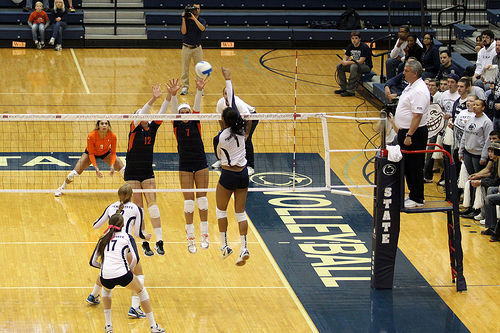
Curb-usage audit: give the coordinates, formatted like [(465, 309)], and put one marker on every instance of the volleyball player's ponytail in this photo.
[(115, 225), (233, 119), (125, 194)]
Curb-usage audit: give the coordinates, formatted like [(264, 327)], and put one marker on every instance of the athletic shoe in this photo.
[(494, 238), (184, 91), (441, 182), (159, 248), (42, 45), (108, 329), (27, 9), (338, 92), (93, 300), (58, 47), (59, 192), (47, 9), (482, 222), (52, 41), (428, 180), (251, 171), (147, 249), (242, 259), (479, 217), (71, 9), (470, 215), (487, 232), (157, 329), (38, 45), (204, 241), (191, 245), (410, 203), (226, 251), (217, 164), (136, 313), (466, 211), (347, 94)]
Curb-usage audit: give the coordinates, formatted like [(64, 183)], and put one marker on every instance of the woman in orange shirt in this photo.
[(98, 146)]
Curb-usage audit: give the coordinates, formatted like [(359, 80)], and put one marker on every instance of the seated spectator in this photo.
[(469, 71), (491, 200), (59, 15), (479, 43), (412, 49), (430, 57), (38, 21), (397, 54), (357, 60), (447, 66), (484, 56)]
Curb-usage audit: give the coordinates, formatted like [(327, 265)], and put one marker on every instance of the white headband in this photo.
[(183, 106)]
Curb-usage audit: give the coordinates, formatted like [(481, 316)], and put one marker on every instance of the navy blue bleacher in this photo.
[(493, 15), (461, 62), (222, 33), (17, 32), (14, 16), (10, 4)]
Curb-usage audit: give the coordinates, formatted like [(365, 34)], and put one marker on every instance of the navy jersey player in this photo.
[(193, 167), (230, 149), (111, 257), (133, 217), (139, 168)]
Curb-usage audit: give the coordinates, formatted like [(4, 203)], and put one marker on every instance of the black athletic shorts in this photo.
[(101, 157), (232, 180), (139, 175), (119, 281), (192, 166)]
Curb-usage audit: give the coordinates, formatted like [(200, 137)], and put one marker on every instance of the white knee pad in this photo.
[(141, 278), (240, 217), (107, 292), (220, 213), (188, 206), (143, 295), (154, 212), (72, 175), (202, 203)]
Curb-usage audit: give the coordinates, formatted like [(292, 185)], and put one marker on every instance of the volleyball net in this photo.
[(37, 151)]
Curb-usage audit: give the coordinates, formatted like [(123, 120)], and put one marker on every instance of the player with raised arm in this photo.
[(193, 167), (111, 257), (230, 148), (133, 216), (139, 170), (101, 144)]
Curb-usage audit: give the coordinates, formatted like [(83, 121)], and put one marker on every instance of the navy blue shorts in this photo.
[(119, 281), (101, 157), (232, 180)]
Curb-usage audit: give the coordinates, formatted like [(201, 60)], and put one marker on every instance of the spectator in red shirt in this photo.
[(38, 21)]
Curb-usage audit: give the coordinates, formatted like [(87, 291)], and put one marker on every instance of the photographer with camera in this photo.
[(192, 27)]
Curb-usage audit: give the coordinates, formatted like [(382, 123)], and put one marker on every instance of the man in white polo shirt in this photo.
[(411, 119)]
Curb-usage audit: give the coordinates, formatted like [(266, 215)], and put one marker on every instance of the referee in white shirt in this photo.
[(411, 119)]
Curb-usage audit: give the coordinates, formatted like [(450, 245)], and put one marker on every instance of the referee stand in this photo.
[(389, 203)]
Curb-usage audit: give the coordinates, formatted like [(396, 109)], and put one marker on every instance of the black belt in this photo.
[(190, 46)]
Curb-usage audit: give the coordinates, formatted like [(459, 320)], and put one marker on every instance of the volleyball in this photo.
[(203, 69)]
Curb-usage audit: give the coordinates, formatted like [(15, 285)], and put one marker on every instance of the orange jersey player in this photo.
[(98, 146)]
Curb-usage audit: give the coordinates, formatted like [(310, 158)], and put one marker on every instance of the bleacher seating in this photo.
[(493, 15), (463, 30)]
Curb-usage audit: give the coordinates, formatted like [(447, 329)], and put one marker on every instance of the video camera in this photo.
[(188, 10), (391, 106)]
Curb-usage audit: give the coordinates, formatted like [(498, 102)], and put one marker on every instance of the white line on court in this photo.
[(55, 242), (149, 287), (80, 71)]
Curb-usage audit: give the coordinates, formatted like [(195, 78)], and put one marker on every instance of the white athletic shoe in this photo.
[(242, 259), (251, 171), (226, 251), (204, 241), (410, 203), (483, 222), (59, 192), (52, 40), (479, 217), (191, 245), (217, 164), (157, 329), (184, 91)]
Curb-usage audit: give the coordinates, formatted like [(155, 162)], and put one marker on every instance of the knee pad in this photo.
[(220, 213), (141, 279), (154, 212), (188, 206), (107, 292), (240, 217), (143, 295), (202, 203), (72, 175)]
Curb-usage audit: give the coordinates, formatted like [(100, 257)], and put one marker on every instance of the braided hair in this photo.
[(125, 194), (115, 225), (233, 119)]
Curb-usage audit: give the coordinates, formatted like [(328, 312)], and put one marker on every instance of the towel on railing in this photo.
[(394, 153), (462, 178)]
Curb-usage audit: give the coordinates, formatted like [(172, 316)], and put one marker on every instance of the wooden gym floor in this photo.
[(46, 242)]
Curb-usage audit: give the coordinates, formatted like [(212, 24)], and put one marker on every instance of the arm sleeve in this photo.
[(144, 110), (113, 148), (175, 104), (216, 145), (138, 224), (488, 127), (64, 16), (93, 260), (164, 106), (479, 62), (30, 19), (433, 60), (133, 251), (396, 50), (221, 105), (230, 95), (103, 219), (197, 102), (91, 150)]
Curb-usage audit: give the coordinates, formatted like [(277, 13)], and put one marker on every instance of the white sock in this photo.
[(158, 234), (151, 319), (135, 302), (97, 290), (204, 227), (190, 230), (243, 239), (223, 238), (107, 316), (63, 186)]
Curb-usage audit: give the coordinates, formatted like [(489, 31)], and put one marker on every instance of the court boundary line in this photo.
[(80, 71), (149, 287)]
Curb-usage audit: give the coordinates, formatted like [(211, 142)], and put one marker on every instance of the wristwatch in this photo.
[(409, 135)]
